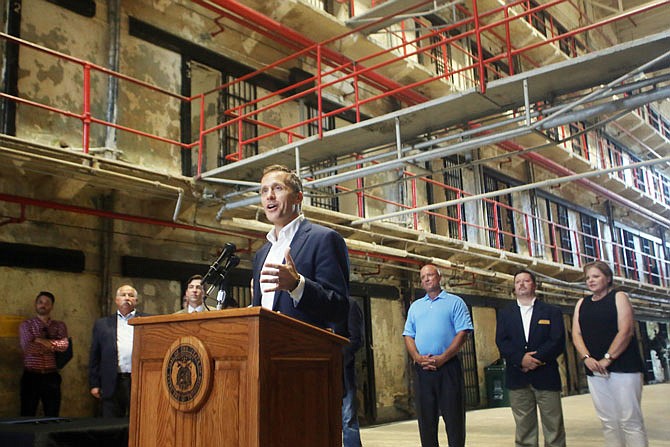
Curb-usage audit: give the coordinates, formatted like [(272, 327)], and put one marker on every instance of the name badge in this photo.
[(544, 322)]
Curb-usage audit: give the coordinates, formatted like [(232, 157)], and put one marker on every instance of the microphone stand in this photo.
[(216, 276)]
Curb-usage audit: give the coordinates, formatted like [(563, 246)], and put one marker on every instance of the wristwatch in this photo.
[(586, 356), (607, 356)]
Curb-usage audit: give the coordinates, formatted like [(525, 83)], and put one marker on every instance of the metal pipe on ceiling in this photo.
[(515, 189), (119, 216), (605, 90), (554, 111), (298, 41), (625, 104), (114, 20)]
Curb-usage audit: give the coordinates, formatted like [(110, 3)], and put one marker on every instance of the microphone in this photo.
[(226, 253), (233, 261), (221, 272), (228, 249)]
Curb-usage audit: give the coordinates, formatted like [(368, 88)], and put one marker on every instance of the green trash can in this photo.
[(496, 392)]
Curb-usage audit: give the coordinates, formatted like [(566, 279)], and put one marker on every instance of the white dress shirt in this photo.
[(276, 256), (124, 341), (200, 308), (526, 315)]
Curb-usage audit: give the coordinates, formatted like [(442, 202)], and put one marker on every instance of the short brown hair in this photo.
[(531, 274), (293, 180), (604, 269), (193, 278), (47, 294)]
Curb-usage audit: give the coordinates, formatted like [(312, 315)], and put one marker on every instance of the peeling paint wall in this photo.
[(149, 111), (58, 83), (79, 297), (75, 303), (484, 321), (390, 357)]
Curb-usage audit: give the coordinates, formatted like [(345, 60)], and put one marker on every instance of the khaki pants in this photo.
[(524, 403)]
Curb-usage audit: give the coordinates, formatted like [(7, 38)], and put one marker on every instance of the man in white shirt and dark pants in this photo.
[(111, 355)]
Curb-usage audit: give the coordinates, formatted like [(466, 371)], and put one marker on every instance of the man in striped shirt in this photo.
[(40, 337)]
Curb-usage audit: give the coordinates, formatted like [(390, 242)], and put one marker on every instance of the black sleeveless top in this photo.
[(598, 323)]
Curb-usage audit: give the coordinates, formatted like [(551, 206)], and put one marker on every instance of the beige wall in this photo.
[(484, 321), (79, 301), (76, 300), (77, 304), (390, 358)]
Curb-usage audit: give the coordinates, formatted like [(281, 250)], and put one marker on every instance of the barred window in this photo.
[(627, 254), (499, 216), (324, 197), (590, 238), (455, 213), (236, 136), (650, 262)]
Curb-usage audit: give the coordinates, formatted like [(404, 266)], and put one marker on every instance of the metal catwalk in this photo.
[(543, 84)]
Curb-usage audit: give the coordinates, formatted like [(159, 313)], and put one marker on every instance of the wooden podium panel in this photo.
[(235, 377)]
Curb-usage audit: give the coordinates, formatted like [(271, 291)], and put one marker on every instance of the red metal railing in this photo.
[(548, 245), (85, 115), (332, 72), (332, 75)]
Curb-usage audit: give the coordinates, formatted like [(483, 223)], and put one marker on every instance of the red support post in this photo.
[(459, 215), (356, 93), (319, 90), (201, 134), (86, 116), (529, 241)]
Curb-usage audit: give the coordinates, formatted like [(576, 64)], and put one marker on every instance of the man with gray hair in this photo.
[(111, 354)]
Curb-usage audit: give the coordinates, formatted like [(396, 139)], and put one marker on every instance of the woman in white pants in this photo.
[(604, 335)]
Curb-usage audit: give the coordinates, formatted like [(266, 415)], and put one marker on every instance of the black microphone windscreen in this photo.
[(233, 261), (228, 249)]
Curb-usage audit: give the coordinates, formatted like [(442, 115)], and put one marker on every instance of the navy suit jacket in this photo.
[(547, 337), (321, 257), (104, 358)]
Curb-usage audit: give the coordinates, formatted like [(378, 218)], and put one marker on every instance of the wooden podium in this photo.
[(235, 377)]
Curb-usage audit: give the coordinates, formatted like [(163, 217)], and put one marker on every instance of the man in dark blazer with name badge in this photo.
[(530, 335), (303, 269)]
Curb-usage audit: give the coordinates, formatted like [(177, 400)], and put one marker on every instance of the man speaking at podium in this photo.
[(303, 269)]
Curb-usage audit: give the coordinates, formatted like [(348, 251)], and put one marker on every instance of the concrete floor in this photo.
[(495, 426)]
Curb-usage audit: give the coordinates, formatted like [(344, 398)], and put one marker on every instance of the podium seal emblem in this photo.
[(187, 374)]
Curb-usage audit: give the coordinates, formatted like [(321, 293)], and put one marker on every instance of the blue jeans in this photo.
[(350, 433)]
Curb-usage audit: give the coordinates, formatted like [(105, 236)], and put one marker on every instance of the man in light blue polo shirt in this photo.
[(437, 326)]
